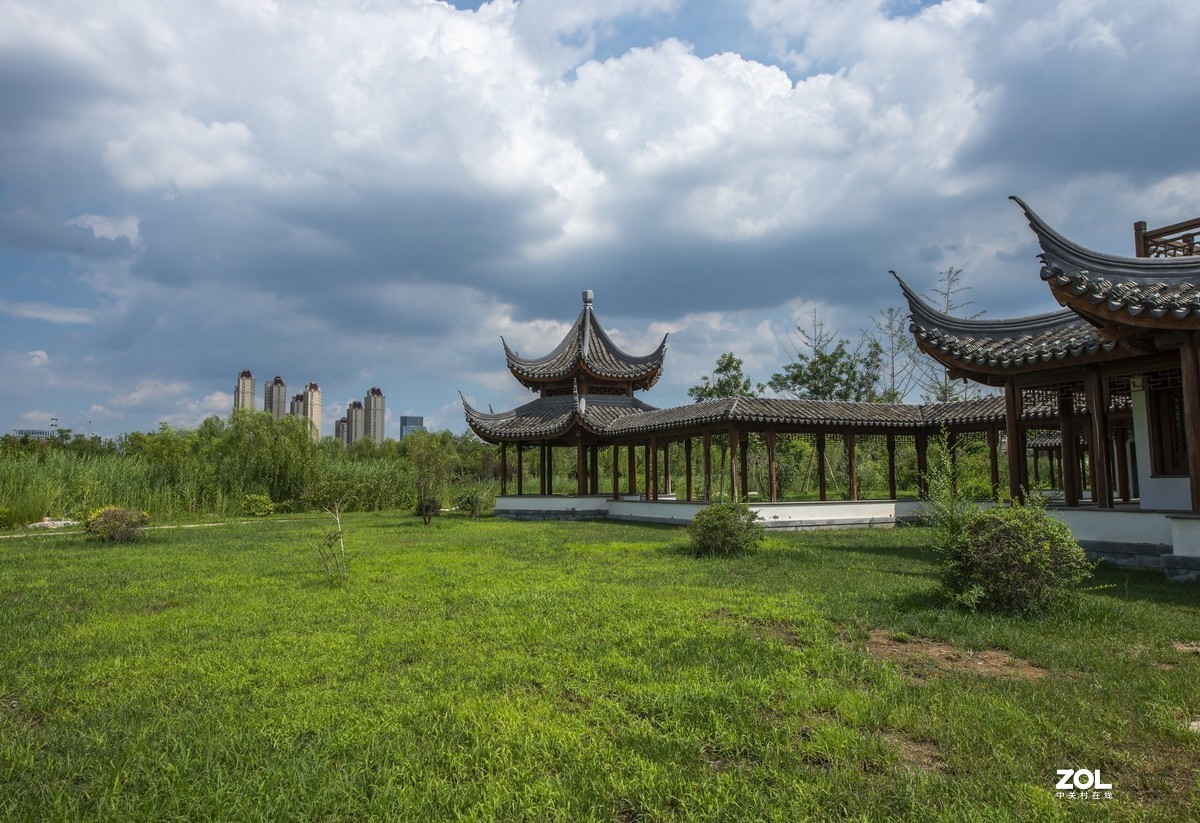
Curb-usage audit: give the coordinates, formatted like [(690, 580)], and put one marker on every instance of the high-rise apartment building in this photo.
[(312, 408), (340, 431), (275, 397), (374, 415), (243, 392), (355, 422), (297, 406), (409, 424)]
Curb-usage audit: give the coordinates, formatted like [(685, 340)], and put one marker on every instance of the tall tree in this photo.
[(898, 354), (827, 367), (948, 297), (727, 380)]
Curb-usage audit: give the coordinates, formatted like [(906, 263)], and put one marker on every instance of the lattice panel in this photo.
[(1166, 379)]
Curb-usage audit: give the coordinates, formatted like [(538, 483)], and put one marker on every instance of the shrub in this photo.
[(8, 520), (257, 505), (475, 500), (428, 507), (1016, 560), (116, 524), (725, 529)]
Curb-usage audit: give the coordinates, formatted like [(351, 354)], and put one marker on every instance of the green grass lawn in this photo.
[(583, 671)]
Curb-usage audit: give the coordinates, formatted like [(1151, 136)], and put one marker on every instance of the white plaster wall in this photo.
[(1157, 492), (1185, 535), (1109, 526), (551, 503)]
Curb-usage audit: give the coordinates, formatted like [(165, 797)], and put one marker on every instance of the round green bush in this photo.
[(1016, 560), (115, 524), (725, 529), (257, 505)]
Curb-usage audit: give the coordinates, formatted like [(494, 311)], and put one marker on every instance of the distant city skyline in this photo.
[(366, 418)]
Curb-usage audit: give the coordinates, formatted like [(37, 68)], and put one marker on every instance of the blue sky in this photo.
[(371, 194)]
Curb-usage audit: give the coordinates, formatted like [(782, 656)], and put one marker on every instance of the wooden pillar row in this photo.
[(891, 454), (1070, 460), (771, 465), (1189, 365), (687, 459), (503, 469), (707, 448), (1016, 448), (821, 466), (1097, 400), (852, 467)]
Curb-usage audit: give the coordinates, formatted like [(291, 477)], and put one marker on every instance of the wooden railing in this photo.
[(1178, 240)]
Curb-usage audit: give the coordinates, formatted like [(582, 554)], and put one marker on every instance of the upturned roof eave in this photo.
[(1109, 266)]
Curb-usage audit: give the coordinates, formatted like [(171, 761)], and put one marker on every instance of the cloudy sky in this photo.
[(371, 192)]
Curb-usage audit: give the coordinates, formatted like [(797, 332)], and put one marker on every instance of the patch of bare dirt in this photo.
[(1186, 648), (920, 755), (927, 658)]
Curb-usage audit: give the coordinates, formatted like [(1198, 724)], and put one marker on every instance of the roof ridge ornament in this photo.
[(588, 297)]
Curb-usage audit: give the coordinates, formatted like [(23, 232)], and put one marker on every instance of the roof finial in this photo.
[(587, 297)]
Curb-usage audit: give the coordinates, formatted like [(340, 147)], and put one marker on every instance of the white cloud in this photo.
[(47, 311), (38, 358), (178, 152), (110, 228)]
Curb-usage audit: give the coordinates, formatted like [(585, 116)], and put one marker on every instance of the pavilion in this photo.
[(1121, 366), (586, 407)]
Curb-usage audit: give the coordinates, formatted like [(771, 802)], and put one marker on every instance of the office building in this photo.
[(409, 424)]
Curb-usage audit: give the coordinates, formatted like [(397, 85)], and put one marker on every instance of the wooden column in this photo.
[(1122, 464), (1054, 454), (993, 441), (652, 469), (744, 467), (520, 469), (707, 449), (891, 451), (1070, 461), (821, 465), (503, 469), (734, 450), (922, 446), (668, 488), (1097, 400), (687, 459), (631, 480), (581, 469), (651, 486), (771, 465), (542, 469), (594, 466), (852, 466), (1016, 449), (616, 472), (1189, 365)]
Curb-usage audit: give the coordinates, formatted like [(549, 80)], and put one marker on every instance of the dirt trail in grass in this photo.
[(925, 658)]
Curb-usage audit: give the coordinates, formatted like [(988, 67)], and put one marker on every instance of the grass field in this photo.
[(586, 671)]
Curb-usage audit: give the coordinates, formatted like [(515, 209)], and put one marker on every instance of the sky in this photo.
[(372, 192)]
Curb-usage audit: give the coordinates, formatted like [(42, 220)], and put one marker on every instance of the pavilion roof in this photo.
[(551, 417), (1111, 290), (999, 345), (587, 349)]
